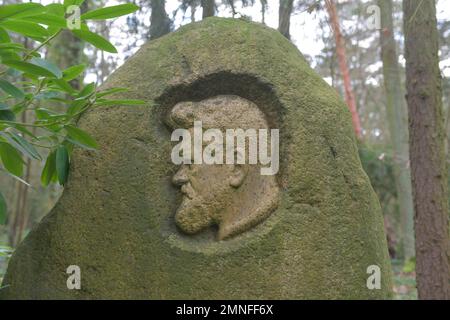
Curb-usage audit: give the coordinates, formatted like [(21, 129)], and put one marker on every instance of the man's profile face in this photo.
[(206, 192)]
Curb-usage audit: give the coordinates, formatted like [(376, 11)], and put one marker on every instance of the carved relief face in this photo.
[(207, 190), (234, 197)]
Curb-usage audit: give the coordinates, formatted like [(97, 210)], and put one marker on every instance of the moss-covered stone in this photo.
[(115, 217)]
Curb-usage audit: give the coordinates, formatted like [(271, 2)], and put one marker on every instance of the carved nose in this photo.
[(180, 177)]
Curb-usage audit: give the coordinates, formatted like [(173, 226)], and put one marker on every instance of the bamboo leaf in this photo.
[(55, 9), (96, 40), (73, 72), (68, 3), (12, 45), (49, 169), (65, 86), (14, 10), (25, 28), (110, 12), (110, 91), (4, 36), (22, 145), (50, 66), (29, 68), (62, 164), (11, 159), (11, 89), (129, 102), (80, 138), (49, 20), (7, 115)]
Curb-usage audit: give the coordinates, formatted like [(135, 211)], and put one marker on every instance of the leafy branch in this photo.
[(29, 81)]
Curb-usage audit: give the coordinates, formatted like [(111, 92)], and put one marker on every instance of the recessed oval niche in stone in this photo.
[(217, 214)]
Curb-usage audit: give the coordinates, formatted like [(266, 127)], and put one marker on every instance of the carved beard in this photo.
[(192, 215)]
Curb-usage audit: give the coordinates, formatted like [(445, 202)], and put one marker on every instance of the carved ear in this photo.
[(238, 175)]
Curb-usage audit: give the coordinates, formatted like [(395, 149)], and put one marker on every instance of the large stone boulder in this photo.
[(315, 228)]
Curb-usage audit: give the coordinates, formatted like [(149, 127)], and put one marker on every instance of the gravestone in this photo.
[(137, 225)]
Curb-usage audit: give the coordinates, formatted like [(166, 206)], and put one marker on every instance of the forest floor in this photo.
[(404, 282)]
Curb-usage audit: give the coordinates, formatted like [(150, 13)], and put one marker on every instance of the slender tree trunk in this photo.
[(397, 118), (427, 140), (231, 5), (193, 10), (284, 17), (263, 11), (17, 220), (159, 20), (209, 8), (13, 217), (22, 213), (340, 51)]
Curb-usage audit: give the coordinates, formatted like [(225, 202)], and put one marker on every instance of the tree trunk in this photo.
[(397, 119), (284, 17), (427, 139), (208, 8), (17, 221), (340, 51), (159, 20), (193, 10), (263, 11)]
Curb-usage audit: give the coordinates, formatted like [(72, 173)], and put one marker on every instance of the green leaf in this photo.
[(9, 55), (86, 91), (129, 102), (11, 89), (80, 138), (12, 45), (13, 10), (50, 66), (48, 94), (25, 28), (110, 91), (68, 3), (2, 209), (64, 85), (22, 129), (19, 107), (22, 145), (11, 159), (96, 40), (29, 13), (73, 72), (4, 36), (55, 9), (76, 106), (7, 115), (62, 164), (29, 68), (49, 20), (49, 169), (110, 12), (38, 39), (43, 114)]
